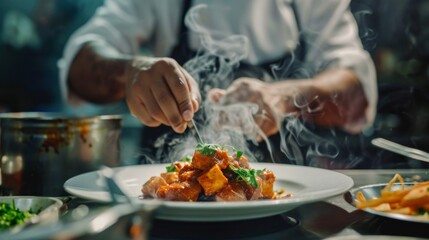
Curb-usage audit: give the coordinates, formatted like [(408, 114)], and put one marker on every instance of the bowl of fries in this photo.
[(396, 199)]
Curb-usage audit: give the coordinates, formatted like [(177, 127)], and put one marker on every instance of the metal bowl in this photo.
[(120, 221), (47, 209), (373, 191)]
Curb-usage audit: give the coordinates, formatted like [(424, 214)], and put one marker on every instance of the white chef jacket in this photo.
[(270, 26)]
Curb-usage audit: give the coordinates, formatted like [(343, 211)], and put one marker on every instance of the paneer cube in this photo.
[(181, 165), (205, 162), (202, 162), (222, 159), (190, 174), (170, 177), (212, 180), (232, 192), (151, 186), (183, 191)]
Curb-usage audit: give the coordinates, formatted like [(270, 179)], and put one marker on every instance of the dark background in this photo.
[(34, 32)]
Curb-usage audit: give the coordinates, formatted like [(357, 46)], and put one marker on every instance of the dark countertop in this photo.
[(333, 218)]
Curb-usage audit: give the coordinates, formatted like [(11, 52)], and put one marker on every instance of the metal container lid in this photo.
[(55, 120)]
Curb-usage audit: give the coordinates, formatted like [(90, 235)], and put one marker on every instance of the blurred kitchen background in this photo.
[(34, 32)]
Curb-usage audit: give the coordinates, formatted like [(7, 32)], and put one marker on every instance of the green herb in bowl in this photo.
[(11, 216)]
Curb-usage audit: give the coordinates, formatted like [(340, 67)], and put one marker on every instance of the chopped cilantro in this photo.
[(207, 149), (172, 167), (421, 211), (11, 216), (239, 154), (186, 159), (246, 175), (260, 171)]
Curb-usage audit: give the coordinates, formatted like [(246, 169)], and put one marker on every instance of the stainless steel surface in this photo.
[(400, 149), (40, 151)]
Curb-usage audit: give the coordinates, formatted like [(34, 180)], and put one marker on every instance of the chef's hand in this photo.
[(249, 90), (162, 92)]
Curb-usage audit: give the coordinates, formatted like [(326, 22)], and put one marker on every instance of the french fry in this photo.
[(409, 201)]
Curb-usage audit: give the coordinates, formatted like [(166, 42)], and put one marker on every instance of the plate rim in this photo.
[(346, 184)]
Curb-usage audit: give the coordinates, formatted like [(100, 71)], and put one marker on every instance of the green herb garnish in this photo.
[(172, 167), (11, 216), (207, 149), (246, 175), (239, 154), (260, 171), (186, 159), (421, 211)]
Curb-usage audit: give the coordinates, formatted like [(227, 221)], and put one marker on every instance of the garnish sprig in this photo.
[(208, 149), (247, 175), (172, 167)]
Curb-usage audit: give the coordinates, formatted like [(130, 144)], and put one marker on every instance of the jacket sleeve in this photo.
[(122, 24), (331, 36)]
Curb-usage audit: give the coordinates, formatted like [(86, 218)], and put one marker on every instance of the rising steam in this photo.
[(213, 66)]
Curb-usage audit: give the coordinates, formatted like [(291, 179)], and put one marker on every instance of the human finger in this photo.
[(167, 106), (142, 94), (267, 126), (180, 90), (154, 109), (141, 101), (216, 94), (139, 111), (194, 90), (266, 123)]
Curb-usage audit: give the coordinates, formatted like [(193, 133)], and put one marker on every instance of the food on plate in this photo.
[(11, 216), (411, 201), (212, 174)]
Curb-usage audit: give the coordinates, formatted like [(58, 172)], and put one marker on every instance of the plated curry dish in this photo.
[(212, 174)]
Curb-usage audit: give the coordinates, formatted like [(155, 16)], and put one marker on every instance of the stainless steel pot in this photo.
[(40, 151)]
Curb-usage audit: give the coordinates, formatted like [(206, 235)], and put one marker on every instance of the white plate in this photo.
[(306, 184)]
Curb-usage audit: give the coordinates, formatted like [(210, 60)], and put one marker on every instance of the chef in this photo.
[(136, 50)]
